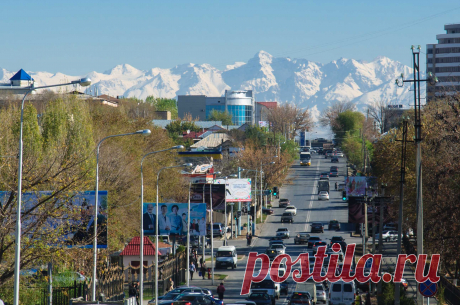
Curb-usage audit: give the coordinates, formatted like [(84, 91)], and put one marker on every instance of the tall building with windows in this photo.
[(443, 60), (239, 103)]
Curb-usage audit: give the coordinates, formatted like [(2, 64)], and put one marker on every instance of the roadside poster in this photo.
[(173, 219), (238, 190)]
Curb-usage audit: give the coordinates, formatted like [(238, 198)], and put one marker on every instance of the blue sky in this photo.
[(76, 37)]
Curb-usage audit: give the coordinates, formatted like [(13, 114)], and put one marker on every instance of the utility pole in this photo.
[(418, 142), (401, 199), (382, 210)]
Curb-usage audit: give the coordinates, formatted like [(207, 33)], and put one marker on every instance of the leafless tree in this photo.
[(381, 114), (290, 118), (329, 115)]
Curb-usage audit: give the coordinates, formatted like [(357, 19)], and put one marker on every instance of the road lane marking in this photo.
[(312, 197)]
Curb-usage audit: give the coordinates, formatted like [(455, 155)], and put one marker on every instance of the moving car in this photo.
[(193, 298), (217, 228), (312, 240), (260, 298), (324, 175), (321, 295), (276, 239), (284, 203), (279, 248), (342, 293), (339, 154), (317, 227), (319, 244), (334, 225), (287, 217), (283, 232), (300, 297), (334, 160), (305, 162), (271, 253), (336, 239), (292, 209), (387, 235), (171, 295), (323, 195), (301, 238), (226, 257), (334, 173), (268, 211)]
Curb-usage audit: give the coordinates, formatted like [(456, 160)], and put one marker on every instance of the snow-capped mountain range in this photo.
[(310, 84)]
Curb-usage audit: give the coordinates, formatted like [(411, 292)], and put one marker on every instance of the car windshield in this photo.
[(317, 224), (224, 253), (274, 246), (290, 208), (313, 239), (323, 193), (266, 284), (259, 296), (282, 229), (287, 214), (303, 235)]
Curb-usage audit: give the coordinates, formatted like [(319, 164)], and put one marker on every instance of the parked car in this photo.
[(284, 203), (317, 227), (283, 232), (287, 217), (217, 227), (301, 238), (312, 240), (334, 225), (334, 160), (323, 195), (291, 209), (268, 211)]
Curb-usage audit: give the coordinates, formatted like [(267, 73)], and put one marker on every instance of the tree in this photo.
[(179, 126), (289, 119), (347, 122), (163, 104), (386, 118), (329, 115), (223, 116)]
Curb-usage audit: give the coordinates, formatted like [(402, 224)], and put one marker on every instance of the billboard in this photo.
[(173, 219), (356, 186), (263, 123), (238, 190), (356, 209), (77, 224), (201, 193), (303, 137)]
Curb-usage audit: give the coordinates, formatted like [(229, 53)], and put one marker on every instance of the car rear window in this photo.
[(347, 288), (287, 214), (337, 288), (300, 296)]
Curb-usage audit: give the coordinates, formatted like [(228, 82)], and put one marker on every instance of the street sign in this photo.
[(428, 289), (368, 264)]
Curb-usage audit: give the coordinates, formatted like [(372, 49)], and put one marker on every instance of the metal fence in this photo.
[(451, 292)]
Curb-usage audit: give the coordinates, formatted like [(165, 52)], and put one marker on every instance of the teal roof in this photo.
[(21, 75)]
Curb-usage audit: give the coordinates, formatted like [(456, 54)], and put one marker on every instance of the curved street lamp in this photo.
[(145, 132), (17, 262), (141, 250), (157, 228)]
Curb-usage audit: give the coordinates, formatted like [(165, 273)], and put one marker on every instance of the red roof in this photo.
[(192, 134), (133, 248), (269, 104)]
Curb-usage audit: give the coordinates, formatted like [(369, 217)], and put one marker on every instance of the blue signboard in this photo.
[(303, 137)]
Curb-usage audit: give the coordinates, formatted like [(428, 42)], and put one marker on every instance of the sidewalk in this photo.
[(389, 264)]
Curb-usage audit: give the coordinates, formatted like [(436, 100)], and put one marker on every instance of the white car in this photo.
[(283, 233), (291, 209), (279, 248), (323, 195), (387, 235), (339, 154)]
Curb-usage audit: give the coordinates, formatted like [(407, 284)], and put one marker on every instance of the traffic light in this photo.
[(344, 195), (275, 191)]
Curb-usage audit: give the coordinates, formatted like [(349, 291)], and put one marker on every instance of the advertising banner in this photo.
[(238, 190), (356, 186), (356, 209), (173, 219), (263, 123), (77, 224), (201, 193)]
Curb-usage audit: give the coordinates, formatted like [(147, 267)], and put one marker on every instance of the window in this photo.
[(347, 288), (337, 288)]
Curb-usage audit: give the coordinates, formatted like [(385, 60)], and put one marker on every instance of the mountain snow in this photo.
[(309, 84)]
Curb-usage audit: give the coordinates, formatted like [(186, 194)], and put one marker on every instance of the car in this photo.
[(260, 298), (321, 293), (284, 203), (301, 238), (276, 239), (333, 173), (284, 288), (319, 244), (300, 297), (242, 303), (334, 168), (276, 242), (329, 251), (283, 232), (339, 154), (291, 209), (334, 160), (305, 162), (317, 227), (287, 217), (323, 195), (268, 211), (329, 153), (171, 295), (271, 253), (193, 298), (404, 284), (387, 235), (320, 151), (217, 228), (279, 248), (334, 225), (312, 240), (336, 239), (324, 175)]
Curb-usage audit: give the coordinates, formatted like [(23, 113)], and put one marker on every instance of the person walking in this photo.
[(201, 261), (336, 186), (132, 290), (192, 270), (247, 239), (203, 269), (171, 284), (220, 291)]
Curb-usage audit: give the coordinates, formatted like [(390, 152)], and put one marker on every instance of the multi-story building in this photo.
[(443, 60), (240, 104)]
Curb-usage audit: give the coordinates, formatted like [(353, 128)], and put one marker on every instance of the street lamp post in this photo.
[(17, 262), (145, 132), (158, 229), (141, 250), (212, 229)]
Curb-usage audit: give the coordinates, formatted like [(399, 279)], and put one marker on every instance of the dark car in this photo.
[(267, 211), (317, 227), (324, 175), (195, 299), (284, 203), (176, 292), (334, 168), (333, 173), (271, 253), (334, 159), (336, 239), (334, 225), (287, 217), (260, 298), (319, 244), (301, 238), (312, 240), (300, 297)]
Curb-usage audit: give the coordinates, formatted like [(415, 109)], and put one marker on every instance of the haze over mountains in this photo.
[(308, 83)]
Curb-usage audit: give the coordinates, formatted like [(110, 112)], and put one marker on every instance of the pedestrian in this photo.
[(368, 299), (358, 299), (171, 284), (201, 261), (137, 292), (132, 290), (247, 239), (250, 238), (203, 269), (336, 186), (220, 291), (192, 270)]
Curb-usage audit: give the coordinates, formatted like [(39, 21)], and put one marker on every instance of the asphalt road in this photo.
[(301, 189)]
